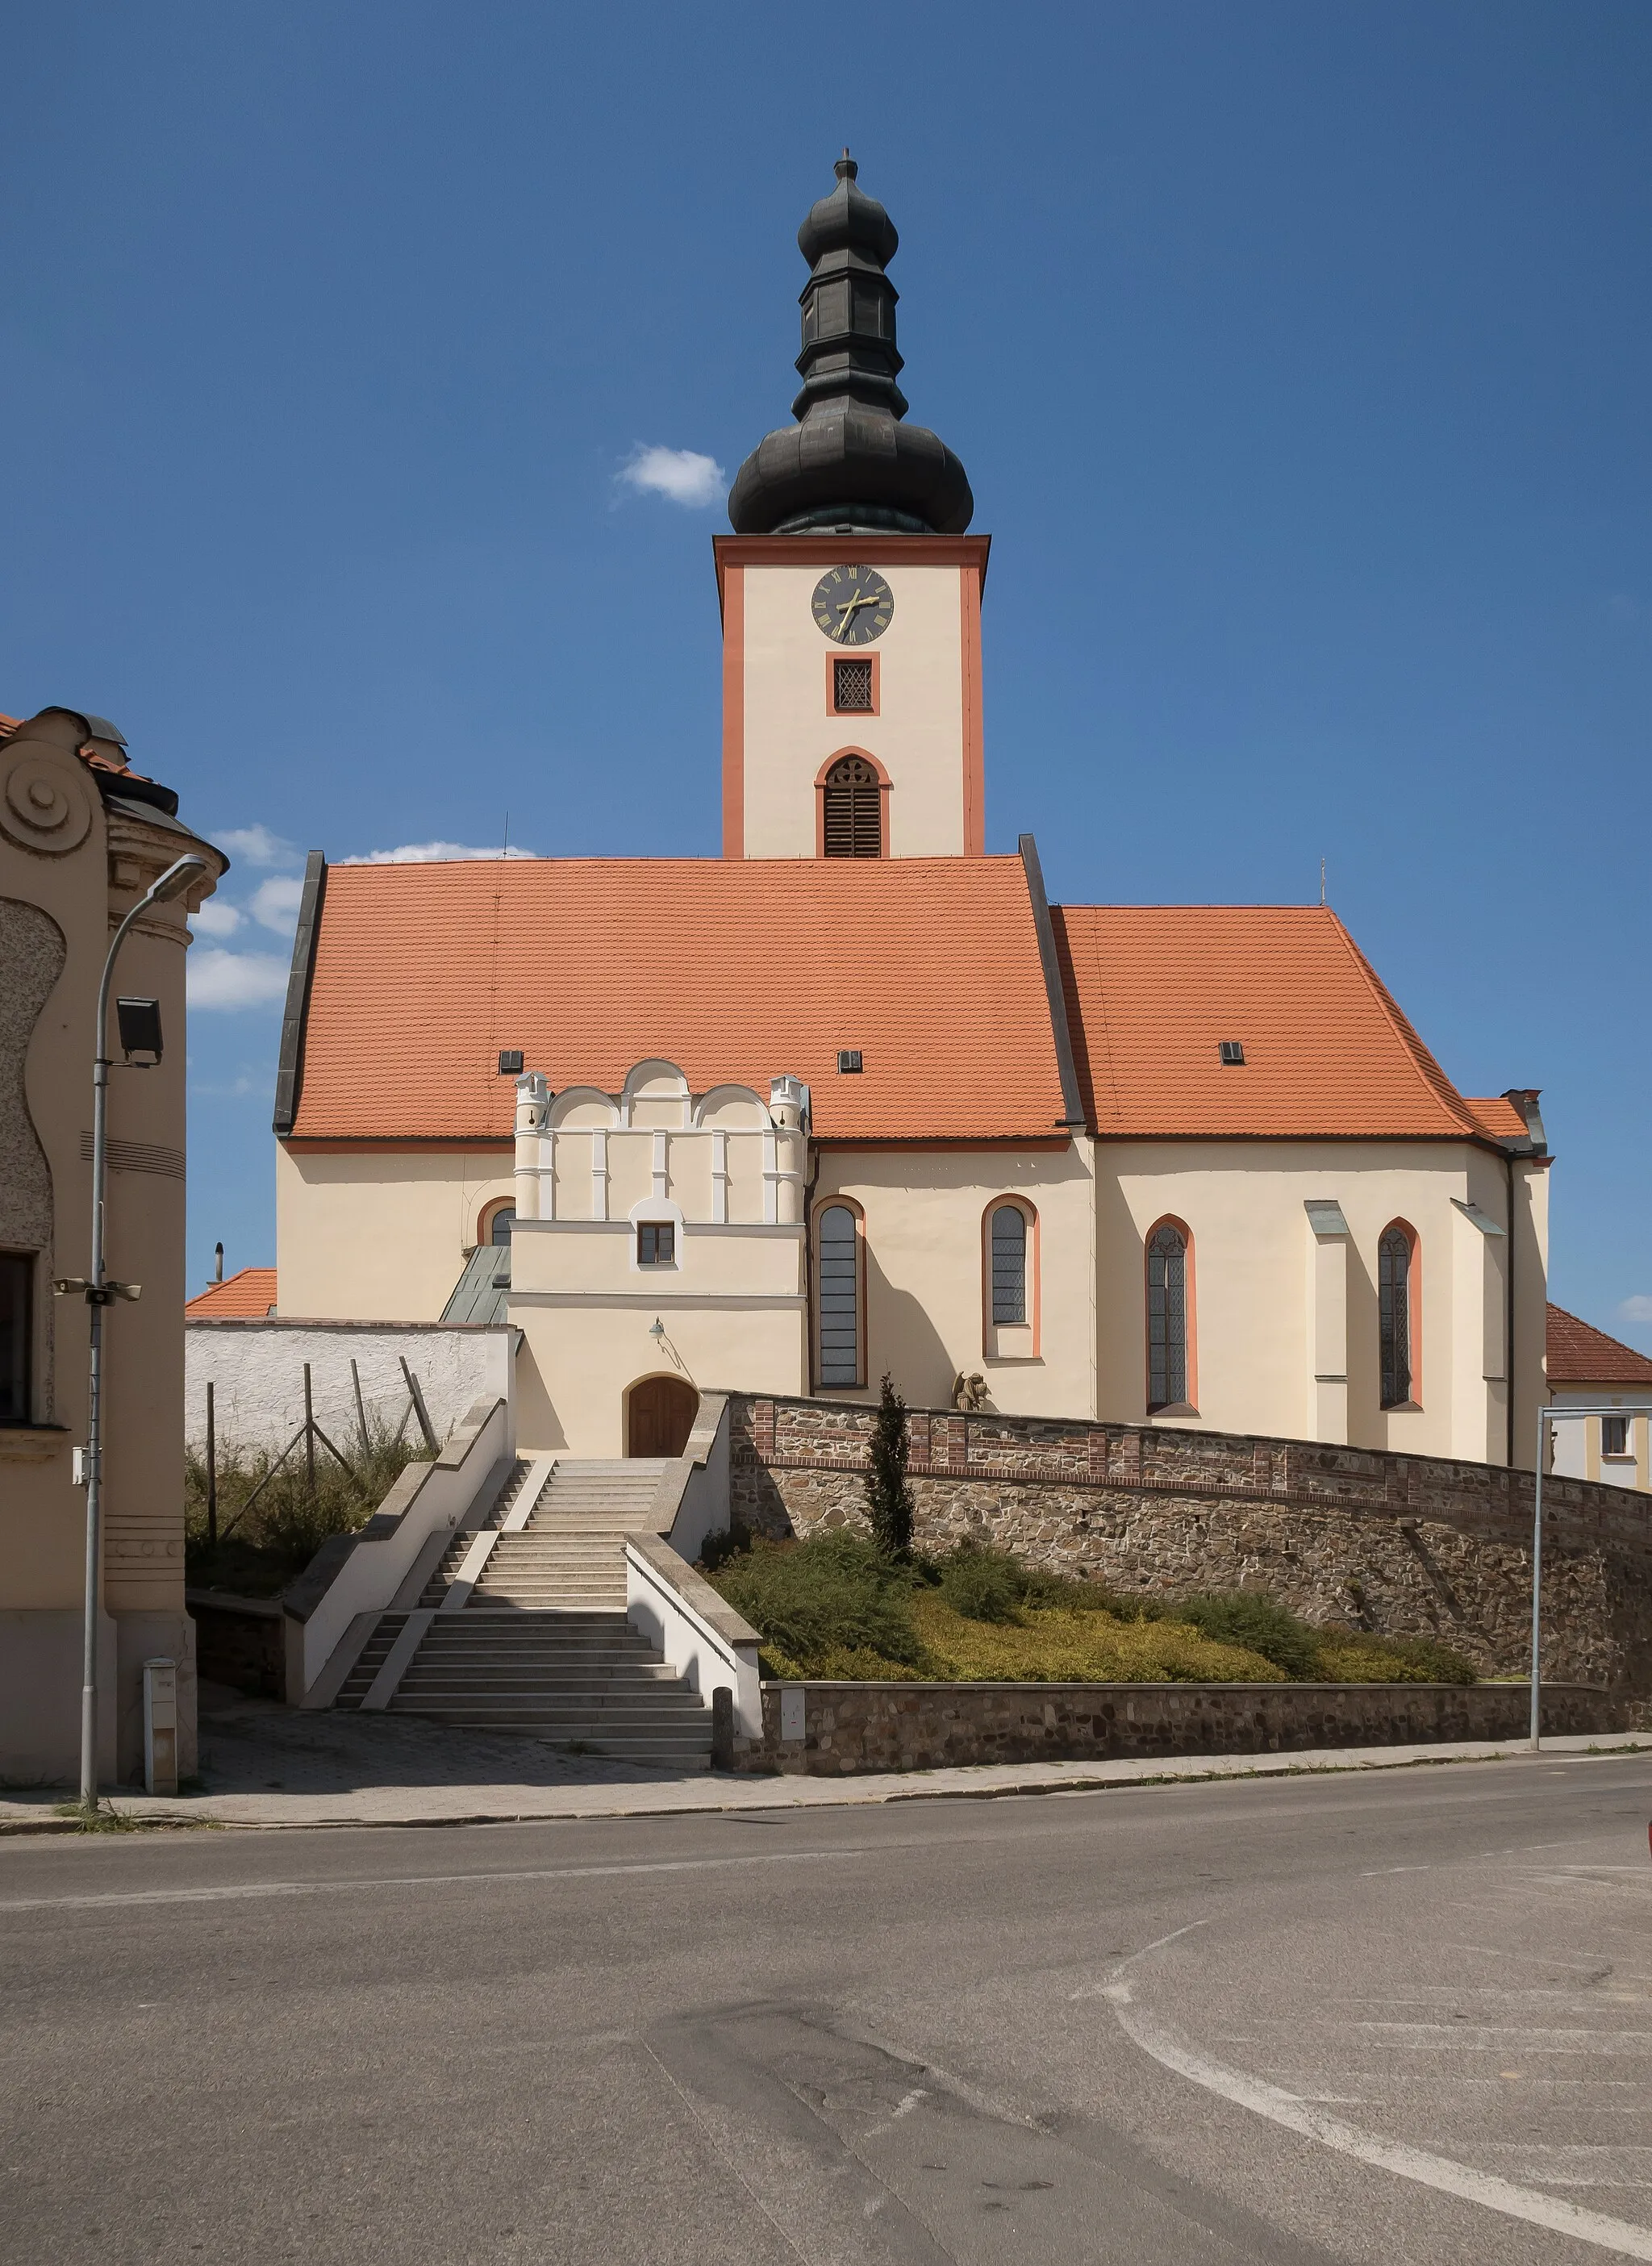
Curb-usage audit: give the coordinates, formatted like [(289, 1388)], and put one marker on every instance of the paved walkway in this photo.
[(264, 1766)]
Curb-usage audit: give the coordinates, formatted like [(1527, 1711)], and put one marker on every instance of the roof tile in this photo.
[(1579, 1354), (249, 1294)]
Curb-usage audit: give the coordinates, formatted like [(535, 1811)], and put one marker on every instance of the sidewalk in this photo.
[(265, 1766)]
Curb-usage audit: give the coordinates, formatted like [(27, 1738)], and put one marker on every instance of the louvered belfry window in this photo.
[(852, 687), (854, 810), (1166, 1319), (1393, 1303)]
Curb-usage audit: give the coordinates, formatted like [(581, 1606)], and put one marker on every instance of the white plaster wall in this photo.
[(790, 730), (257, 1369), (1577, 1438)]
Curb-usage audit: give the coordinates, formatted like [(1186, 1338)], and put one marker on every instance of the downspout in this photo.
[(1509, 1302)]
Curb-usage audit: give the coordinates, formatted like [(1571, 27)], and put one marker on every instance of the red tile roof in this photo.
[(1155, 989), (1499, 1117), (1579, 1354), (733, 969), (247, 1295)]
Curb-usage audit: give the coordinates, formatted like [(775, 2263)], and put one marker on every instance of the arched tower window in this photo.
[(838, 1242), (503, 1220), (1009, 1264), (1167, 1316), (1396, 1297), (852, 818)]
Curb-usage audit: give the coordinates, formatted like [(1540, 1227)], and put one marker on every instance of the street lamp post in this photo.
[(100, 1293)]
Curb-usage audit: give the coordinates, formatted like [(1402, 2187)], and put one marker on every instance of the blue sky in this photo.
[(1300, 358)]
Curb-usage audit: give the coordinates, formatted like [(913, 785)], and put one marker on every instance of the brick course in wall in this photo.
[(848, 1727), (1401, 1546)]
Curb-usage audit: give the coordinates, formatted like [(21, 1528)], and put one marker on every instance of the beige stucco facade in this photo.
[(923, 731), (1281, 1297), (71, 868)]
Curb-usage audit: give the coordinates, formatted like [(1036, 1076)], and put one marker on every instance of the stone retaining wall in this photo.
[(1405, 1545), (846, 1728)]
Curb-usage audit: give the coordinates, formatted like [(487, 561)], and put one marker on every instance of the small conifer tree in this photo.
[(888, 1490)]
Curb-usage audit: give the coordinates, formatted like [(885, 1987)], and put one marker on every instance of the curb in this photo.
[(857, 1794)]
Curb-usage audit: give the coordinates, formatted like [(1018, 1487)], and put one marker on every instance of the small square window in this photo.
[(656, 1243), (511, 1062), (848, 1060), (1233, 1051), (1614, 1436), (852, 687)]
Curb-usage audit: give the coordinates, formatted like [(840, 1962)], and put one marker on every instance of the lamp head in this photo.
[(177, 878)]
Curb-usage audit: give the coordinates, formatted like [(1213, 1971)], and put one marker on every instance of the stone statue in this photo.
[(970, 1393)]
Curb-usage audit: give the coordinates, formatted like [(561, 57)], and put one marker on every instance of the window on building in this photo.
[(1166, 1318), (1394, 1297), (839, 1246), (852, 687), (1614, 1436), (854, 817), (1009, 1264), (17, 1336), (656, 1243), (503, 1220)]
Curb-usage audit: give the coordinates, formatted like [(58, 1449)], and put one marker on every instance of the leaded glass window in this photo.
[(1394, 1297), (839, 1295), (1009, 1264), (1166, 1318)]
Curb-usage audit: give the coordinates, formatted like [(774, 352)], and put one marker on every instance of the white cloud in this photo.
[(678, 474), (434, 853), (235, 979), (1638, 1309), (216, 919), (275, 902), (256, 845)]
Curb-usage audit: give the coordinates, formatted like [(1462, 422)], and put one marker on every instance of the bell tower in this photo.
[(850, 590)]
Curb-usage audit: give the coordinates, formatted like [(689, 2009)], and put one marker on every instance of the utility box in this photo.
[(160, 1727)]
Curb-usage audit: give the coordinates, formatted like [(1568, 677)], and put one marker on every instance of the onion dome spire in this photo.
[(849, 462)]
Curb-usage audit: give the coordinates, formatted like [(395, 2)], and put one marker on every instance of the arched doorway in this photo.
[(660, 1416)]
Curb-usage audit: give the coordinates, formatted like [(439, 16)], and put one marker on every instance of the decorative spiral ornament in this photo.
[(43, 805)]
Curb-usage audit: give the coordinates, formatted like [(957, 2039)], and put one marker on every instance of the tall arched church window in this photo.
[(838, 1244), (854, 817), (1009, 1264), (1396, 1268), (1166, 1318)]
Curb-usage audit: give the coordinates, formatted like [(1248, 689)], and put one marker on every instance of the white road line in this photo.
[(255, 1889), (1438, 2172)]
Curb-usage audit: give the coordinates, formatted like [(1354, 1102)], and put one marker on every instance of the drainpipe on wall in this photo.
[(1524, 1099)]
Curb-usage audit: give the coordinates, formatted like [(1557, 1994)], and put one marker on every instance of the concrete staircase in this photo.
[(542, 1646)]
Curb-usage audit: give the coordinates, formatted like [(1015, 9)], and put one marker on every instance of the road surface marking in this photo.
[(253, 1888), (1438, 2172)]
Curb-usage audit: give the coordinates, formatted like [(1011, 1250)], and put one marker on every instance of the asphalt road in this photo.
[(1399, 2018)]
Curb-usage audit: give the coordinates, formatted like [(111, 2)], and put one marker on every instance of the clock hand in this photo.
[(865, 600)]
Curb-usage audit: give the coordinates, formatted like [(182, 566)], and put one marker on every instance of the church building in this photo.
[(854, 1098)]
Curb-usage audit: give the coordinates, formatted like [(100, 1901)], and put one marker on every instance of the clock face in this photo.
[(852, 604)]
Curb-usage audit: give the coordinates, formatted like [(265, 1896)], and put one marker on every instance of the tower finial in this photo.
[(850, 462)]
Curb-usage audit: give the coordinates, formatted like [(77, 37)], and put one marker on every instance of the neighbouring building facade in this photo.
[(855, 1098), (1588, 1369), (82, 837)]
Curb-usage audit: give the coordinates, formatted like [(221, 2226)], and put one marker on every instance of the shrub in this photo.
[(1054, 1645), (270, 1528), (717, 1550), (1258, 1622), (888, 1491), (810, 1601), (983, 1585), (1351, 1657)]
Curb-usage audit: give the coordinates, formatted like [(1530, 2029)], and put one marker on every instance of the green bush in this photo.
[(1258, 1622), (270, 1528), (836, 1593), (983, 1585), (717, 1550), (1351, 1657)]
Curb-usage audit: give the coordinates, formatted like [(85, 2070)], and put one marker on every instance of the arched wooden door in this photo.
[(660, 1416)]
